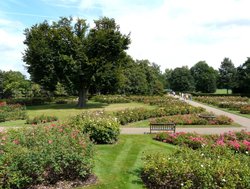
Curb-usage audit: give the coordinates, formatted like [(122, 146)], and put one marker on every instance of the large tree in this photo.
[(181, 80), (227, 73), (243, 78), (72, 54), (204, 77)]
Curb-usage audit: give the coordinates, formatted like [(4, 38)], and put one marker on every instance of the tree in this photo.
[(1, 84), (14, 84), (153, 76), (167, 75), (227, 73), (204, 77), (243, 78), (181, 80), (73, 54), (60, 90)]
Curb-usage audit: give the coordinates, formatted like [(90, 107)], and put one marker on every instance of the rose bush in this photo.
[(101, 127), (44, 155), (12, 112), (41, 119), (203, 168)]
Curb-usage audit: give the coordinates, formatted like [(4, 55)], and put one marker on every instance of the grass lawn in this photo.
[(64, 111), (145, 123), (227, 110), (117, 166), (223, 91)]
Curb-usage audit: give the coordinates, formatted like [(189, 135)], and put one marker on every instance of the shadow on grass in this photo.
[(136, 173), (90, 105)]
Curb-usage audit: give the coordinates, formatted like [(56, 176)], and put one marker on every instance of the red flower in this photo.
[(16, 141), (235, 144)]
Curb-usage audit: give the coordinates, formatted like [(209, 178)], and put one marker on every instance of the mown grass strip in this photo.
[(118, 166)]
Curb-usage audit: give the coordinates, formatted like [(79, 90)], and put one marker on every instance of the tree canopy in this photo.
[(181, 80), (243, 78), (13, 84), (204, 77), (72, 54), (227, 73)]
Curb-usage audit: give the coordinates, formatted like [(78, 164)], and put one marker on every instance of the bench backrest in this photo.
[(162, 127)]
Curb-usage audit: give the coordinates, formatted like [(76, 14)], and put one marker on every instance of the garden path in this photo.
[(244, 122)]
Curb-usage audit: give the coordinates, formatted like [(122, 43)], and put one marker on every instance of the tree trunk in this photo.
[(227, 90), (82, 100)]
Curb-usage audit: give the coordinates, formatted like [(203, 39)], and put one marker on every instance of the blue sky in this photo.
[(171, 33)]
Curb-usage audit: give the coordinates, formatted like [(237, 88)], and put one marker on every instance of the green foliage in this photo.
[(44, 155), (138, 77), (101, 128), (132, 115), (110, 99), (13, 84), (230, 102), (72, 54), (204, 77), (29, 101), (181, 80), (60, 90), (227, 73), (12, 112), (243, 78), (204, 168), (192, 119), (237, 141), (41, 119)]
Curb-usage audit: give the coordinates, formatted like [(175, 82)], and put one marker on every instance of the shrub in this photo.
[(192, 119), (245, 109), (111, 99), (237, 141), (132, 115), (137, 114), (41, 119), (61, 102), (221, 120), (29, 101), (12, 112), (203, 168), (44, 155), (102, 128)]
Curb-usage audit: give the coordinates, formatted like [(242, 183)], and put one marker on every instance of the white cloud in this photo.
[(171, 33), (11, 46), (181, 32)]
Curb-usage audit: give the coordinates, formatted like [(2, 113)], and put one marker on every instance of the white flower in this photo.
[(202, 165)]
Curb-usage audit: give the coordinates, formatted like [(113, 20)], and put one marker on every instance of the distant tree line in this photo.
[(203, 78)]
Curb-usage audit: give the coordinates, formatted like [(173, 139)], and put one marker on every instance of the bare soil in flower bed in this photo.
[(92, 179)]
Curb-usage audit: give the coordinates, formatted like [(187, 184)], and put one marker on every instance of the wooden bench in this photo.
[(162, 127)]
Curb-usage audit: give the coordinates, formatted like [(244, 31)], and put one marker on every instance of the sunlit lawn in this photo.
[(64, 111), (223, 91), (117, 166)]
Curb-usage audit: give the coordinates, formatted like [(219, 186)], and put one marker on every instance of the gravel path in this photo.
[(244, 122)]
